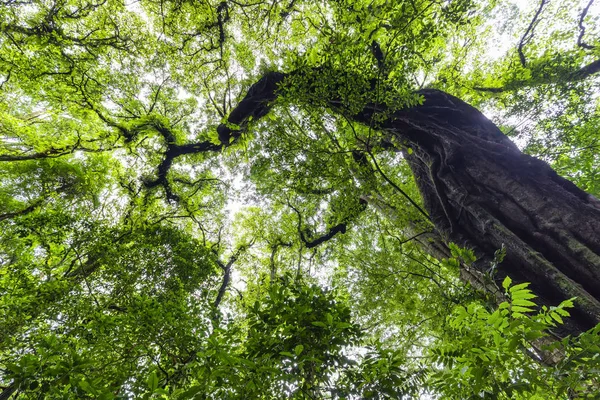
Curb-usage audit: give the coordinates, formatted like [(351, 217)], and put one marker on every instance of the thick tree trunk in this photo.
[(482, 192)]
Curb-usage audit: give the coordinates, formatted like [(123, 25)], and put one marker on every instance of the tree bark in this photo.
[(482, 192)]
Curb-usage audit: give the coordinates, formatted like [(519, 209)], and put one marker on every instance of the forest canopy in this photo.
[(336, 199)]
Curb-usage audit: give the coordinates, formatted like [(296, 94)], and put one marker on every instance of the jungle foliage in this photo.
[(167, 231)]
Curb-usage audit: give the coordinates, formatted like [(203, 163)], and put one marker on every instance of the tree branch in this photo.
[(529, 32), (331, 232), (578, 75), (227, 273), (173, 151), (8, 391), (255, 105), (580, 41), (24, 211), (51, 153)]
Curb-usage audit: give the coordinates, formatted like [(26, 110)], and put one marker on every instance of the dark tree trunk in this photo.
[(482, 192)]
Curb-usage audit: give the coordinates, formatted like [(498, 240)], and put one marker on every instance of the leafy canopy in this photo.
[(143, 257)]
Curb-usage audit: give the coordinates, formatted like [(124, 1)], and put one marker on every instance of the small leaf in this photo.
[(562, 312), (188, 394), (87, 387), (493, 317), (518, 287), (568, 303), (556, 317), (523, 294), (524, 303), (298, 349), (518, 309), (329, 318), (506, 283)]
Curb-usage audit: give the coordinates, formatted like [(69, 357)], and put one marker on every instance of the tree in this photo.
[(481, 192), (127, 128)]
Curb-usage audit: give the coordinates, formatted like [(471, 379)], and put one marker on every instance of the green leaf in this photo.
[(523, 303), (519, 287), (298, 349), (494, 317), (506, 283), (87, 387), (519, 309), (152, 381), (555, 316), (563, 312), (191, 392), (329, 318), (523, 294)]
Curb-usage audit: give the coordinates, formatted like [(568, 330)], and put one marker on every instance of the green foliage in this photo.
[(139, 258), (511, 352)]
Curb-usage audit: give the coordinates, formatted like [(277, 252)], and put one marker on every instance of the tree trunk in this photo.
[(482, 192)]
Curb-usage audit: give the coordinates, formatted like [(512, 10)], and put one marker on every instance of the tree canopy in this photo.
[(209, 200)]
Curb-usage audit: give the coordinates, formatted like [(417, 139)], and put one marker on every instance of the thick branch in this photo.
[(255, 105), (8, 391), (339, 228), (174, 151)]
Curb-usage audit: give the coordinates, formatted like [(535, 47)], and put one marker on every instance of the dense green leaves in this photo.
[(142, 256)]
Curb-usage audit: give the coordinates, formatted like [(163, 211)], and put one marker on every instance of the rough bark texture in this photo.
[(482, 192)]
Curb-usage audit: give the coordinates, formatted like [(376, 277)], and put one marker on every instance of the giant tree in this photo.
[(127, 128)]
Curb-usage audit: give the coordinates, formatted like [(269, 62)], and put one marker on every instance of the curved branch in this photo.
[(256, 104), (528, 35), (173, 151), (339, 228), (24, 211), (580, 41), (51, 153), (227, 273)]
